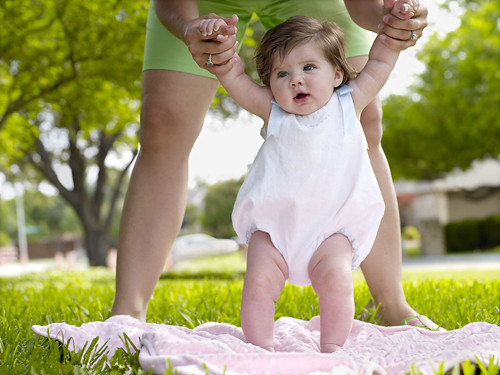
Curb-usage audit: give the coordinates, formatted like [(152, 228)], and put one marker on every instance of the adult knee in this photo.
[(371, 120), (164, 129)]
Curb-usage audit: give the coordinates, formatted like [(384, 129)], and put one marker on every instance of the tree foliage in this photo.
[(219, 202), (70, 85), (47, 217), (450, 117)]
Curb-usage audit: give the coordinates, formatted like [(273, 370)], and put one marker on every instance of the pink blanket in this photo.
[(218, 346)]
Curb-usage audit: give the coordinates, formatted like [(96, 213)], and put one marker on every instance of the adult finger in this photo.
[(223, 57), (402, 32), (229, 27), (201, 49), (407, 31), (232, 21), (389, 4), (397, 44), (222, 68)]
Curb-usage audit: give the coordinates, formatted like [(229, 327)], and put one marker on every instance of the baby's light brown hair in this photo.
[(296, 31)]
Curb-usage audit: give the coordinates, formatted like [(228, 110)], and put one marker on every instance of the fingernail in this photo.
[(383, 36), (386, 18), (380, 26)]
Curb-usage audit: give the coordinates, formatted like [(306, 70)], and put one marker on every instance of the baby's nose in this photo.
[(296, 80)]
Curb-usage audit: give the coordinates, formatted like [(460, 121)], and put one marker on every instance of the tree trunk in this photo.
[(97, 246)]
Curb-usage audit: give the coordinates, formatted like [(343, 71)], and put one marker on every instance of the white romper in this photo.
[(312, 178)]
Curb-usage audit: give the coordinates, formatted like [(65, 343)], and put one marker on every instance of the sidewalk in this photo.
[(448, 262), (453, 262), (39, 265)]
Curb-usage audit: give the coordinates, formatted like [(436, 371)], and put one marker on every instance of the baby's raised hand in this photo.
[(405, 9), (215, 28)]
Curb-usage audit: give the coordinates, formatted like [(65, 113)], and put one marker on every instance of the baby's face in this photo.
[(304, 81)]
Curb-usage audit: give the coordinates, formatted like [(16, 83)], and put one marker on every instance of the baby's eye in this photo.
[(282, 74), (308, 67)]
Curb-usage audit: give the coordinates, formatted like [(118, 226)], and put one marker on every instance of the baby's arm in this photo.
[(381, 62), (248, 94)]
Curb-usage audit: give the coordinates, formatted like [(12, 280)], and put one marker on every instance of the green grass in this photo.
[(196, 294)]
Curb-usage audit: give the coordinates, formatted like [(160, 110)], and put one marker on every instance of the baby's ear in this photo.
[(339, 77)]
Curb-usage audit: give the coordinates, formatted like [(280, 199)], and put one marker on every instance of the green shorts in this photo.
[(165, 51)]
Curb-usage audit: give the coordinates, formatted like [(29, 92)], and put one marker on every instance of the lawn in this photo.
[(199, 293)]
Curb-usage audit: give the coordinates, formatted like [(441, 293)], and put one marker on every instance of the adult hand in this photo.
[(403, 33), (220, 46)]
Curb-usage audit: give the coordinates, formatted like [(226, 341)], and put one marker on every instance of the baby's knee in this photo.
[(263, 285), (339, 281), (331, 277)]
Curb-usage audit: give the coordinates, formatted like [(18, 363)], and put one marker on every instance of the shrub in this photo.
[(490, 229), (410, 233), (468, 235)]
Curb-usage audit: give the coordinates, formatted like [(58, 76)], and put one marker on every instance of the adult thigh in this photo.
[(174, 105)]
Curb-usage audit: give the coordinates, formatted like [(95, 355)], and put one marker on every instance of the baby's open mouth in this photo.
[(301, 95)]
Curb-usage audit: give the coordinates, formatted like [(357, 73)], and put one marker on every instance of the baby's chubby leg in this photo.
[(265, 278), (330, 270)]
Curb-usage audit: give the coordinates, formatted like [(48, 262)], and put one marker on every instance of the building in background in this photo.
[(429, 206)]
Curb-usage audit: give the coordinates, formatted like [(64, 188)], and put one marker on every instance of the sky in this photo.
[(224, 150)]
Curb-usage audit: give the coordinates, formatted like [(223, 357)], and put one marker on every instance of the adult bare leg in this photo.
[(174, 105), (382, 267)]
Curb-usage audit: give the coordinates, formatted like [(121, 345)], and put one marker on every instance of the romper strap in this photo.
[(274, 122), (348, 111)]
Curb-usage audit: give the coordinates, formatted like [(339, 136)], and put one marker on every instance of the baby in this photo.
[(310, 206)]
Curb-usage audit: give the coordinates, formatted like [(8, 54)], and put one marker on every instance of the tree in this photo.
[(219, 202), (8, 227), (450, 117), (70, 85)]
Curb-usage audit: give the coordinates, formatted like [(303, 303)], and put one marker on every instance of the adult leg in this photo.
[(174, 106), (330, 270), (382, 267), (264, 280)]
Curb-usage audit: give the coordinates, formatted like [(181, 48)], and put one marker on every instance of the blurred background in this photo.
[(69, 117)]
